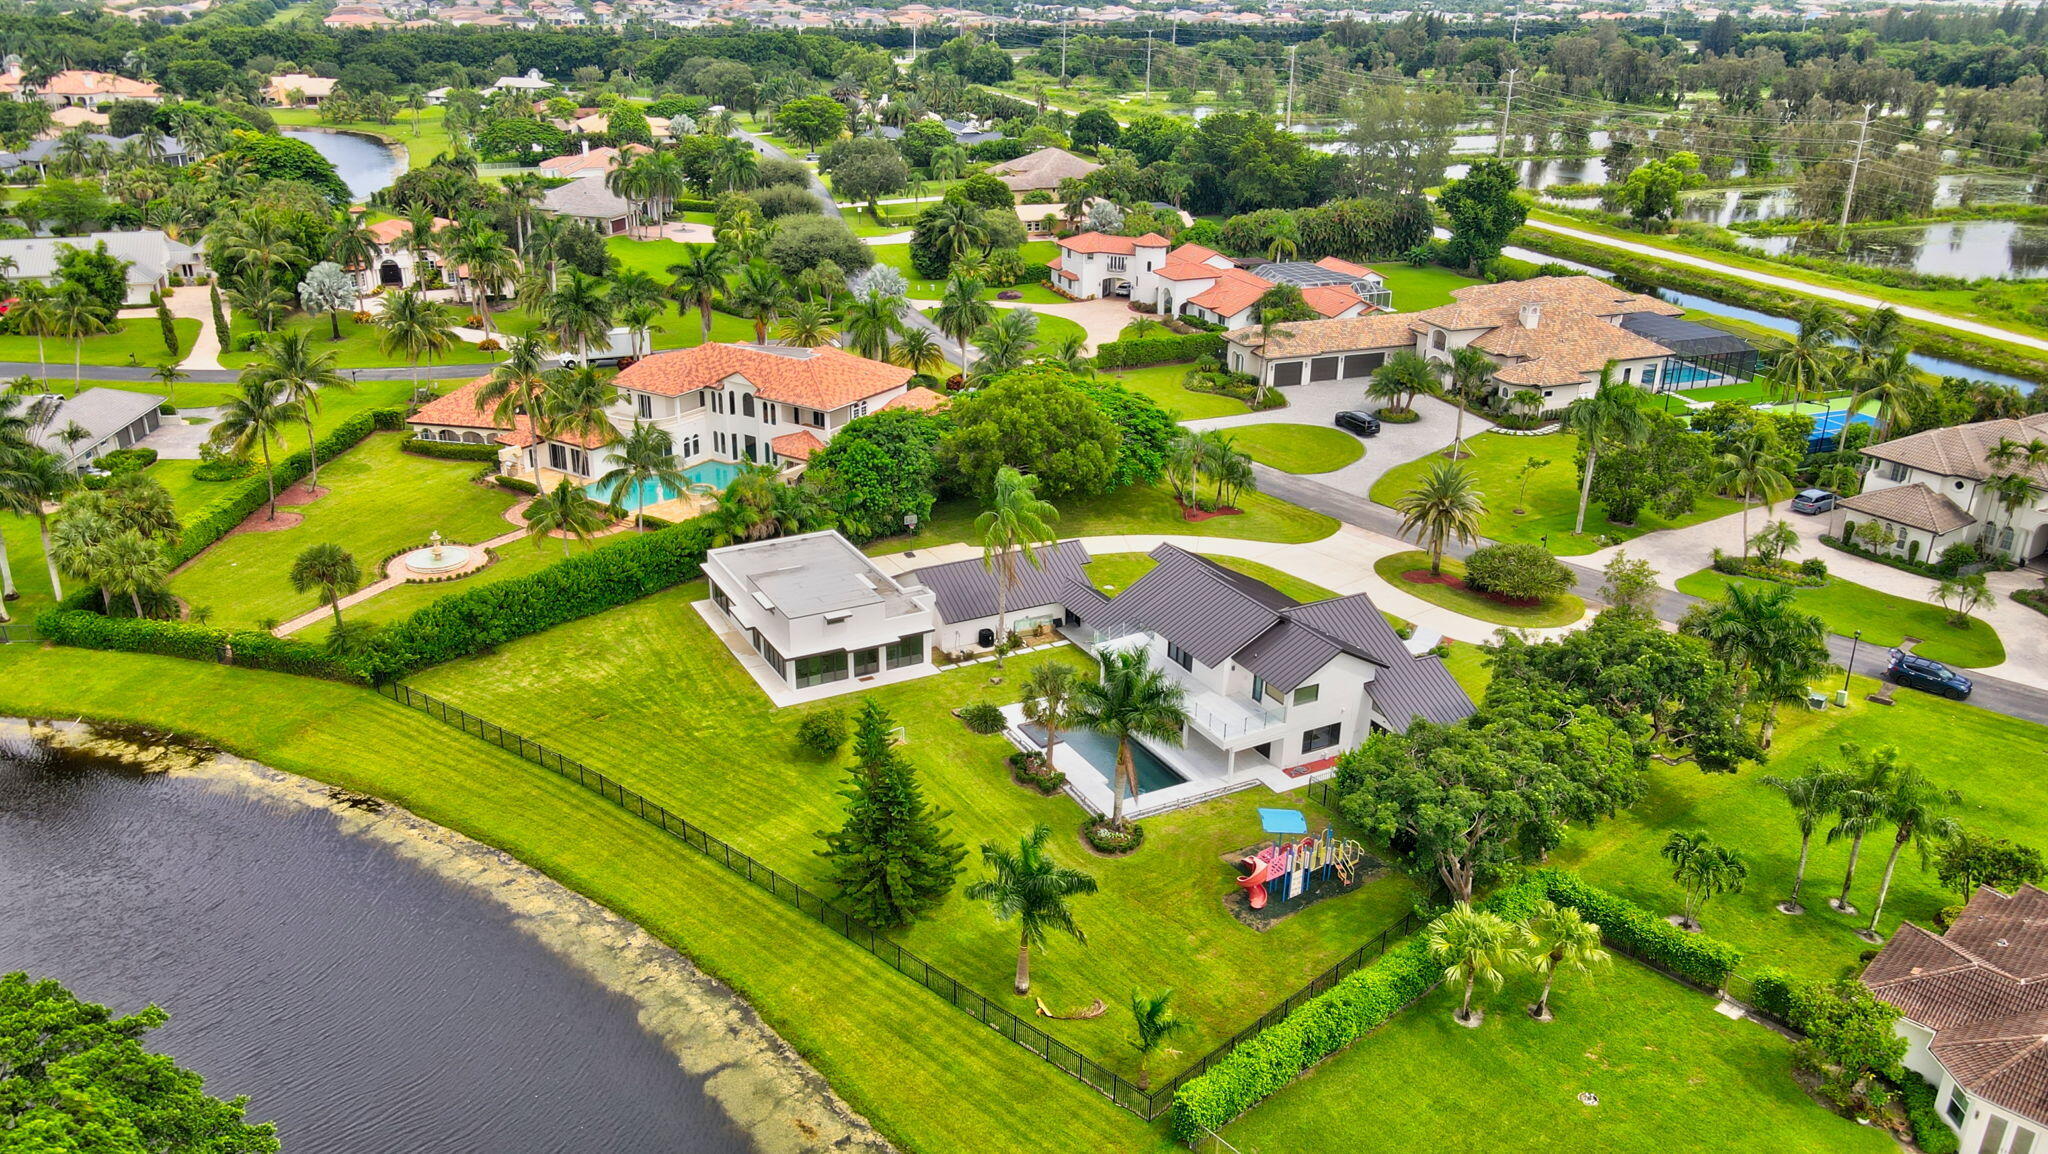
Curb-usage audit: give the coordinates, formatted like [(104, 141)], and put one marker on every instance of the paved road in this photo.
[(1993, 693), (12, 369)]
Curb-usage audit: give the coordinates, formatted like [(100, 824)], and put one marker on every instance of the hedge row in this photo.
[(1157, 350), (518, 485), (250, 648), (249, 494), (1365, 999), (449, 450)]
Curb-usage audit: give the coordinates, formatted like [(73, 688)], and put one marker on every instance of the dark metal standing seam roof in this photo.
[(966, 590), (1405, 687), (1207, 610), (1684, 337)]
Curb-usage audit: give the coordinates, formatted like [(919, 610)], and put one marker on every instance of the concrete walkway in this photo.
[(195, 302), (396, 574)]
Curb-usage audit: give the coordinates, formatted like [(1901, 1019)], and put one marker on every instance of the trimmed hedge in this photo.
[(126, 460), (449, 450), (1930, 1132), (518, 485), (252, 493), (1157, 350), (1365, 999), (251, 648)]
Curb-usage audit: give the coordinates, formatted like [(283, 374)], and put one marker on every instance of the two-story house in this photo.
[(1190, 280), (396, 264), (1935, 488)]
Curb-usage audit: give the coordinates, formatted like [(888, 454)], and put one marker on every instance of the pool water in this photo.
[(717, 474), (1100, 754)]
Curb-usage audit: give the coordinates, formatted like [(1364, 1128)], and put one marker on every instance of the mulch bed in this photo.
[(261, 522), (1425, 577), (1190, 513)]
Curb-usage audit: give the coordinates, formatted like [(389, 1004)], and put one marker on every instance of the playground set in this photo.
[(1290, 868)]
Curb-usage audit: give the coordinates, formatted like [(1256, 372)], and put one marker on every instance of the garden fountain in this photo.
[(436, 558)]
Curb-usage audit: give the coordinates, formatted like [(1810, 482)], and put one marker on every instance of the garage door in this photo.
[(1286, 374), (1323, 369)]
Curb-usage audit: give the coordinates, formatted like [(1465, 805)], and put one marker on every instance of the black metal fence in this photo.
[(1147, 1104)]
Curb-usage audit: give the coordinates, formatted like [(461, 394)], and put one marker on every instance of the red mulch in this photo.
[(1313, 767), (1190, 513), (261, 522), (1425, 577), (297, 494)]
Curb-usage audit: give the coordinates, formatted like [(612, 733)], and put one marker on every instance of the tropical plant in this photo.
[(301, 372), (1560, 938), (1051, 695), (577, 314), (1004, 343), (758, 294), (1808, 368), (251, 419), (646, 462), (565, 512), (1154, 1023), (75, 313), (1892, 381), (1962, 596), (1128, 699), (808, 325), (918, 352), (1475, 945), (1443, 507), (415, 328), (1750, 470), (1029, 886), (1015, 522), (1812, 797), (1867, 776), (1465, 376), (1702, 869), (1763, 636), (331, 570), (699, 278), (1914, 806), (31, 482), (1610, 417), (871, 322), (961, 311)]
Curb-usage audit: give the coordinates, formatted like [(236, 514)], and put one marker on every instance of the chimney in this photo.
[(1532, 315)]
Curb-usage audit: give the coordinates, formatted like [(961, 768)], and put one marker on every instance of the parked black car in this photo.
[(1362, 423), (1813, 501), (1930, 676)]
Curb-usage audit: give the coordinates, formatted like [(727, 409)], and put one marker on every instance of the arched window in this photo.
[(473, 438), (1436, 339), (2005, 540), (450, 435)]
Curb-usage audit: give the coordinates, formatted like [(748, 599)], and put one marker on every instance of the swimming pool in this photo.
[(1100, 754), (717, 474)]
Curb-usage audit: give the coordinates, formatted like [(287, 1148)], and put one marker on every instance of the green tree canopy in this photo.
[(1486, 206), (1038, 423), (879, 468)]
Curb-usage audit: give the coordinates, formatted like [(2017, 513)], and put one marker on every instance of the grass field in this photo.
[(379, 501), (1562, 609), (516, 559), (358, 348), (138, 340), (1139, 509), (897, 256), (1666, 1068), (1553, 499), (1421, 288), (1884, 618), (1162, 384), (1298, 448)]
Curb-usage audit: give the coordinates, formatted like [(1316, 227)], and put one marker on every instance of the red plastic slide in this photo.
[(1264, 869)]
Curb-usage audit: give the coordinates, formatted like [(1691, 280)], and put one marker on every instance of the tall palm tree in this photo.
[(1130, 698), (1869, 776), (871, 321), (918, 352), (808, 325), (1891, 381), (1050, 694), (1465, 374), (1031, 887), (961, 311), (1913, 805), (1812, 798), (251, 419), (759, 294), (36, 313), (330, 569), (1807, 368), (577, 314), (302, 372), (415, 328), (1609, 417), (133, 564), (1750, 470), (565, 511), (1015, 522), (1560, 939), (76, 314), (489, 263), (699, 279), (350, 243), (956, 229), (1444, 506), (573, 407), (1473, 946), (646, 459), (1702, 869), (30, 483), (1875, 336)]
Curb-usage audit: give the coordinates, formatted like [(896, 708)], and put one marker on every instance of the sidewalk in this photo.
[(193, 301)]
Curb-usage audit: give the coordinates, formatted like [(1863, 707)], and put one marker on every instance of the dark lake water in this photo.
[(361, 1002), (365, 165), (1970, 248)]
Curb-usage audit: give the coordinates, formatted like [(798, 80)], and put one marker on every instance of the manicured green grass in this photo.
[(650, 695), (515, 559), (649, 256), (1138, 509), (1670, 1073), (1884, 618), (1467, 664), (379, 501), (1421, 288), (1114, 572), (897, 256), (1553, 499), (431, 141), (932, 1078), (1298, 448), (1162, 383), (137, 339), (360, 346), (1562, 609), (1051, 330)]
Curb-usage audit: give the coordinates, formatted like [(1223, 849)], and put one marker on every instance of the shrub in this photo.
[(1521, 572), (519, 485), (1029, 767), (449, 450), (1158, 350), (1813, 567), (1956, 556), (1393, 416), (1930, 1132), (251, 649), (822, 733), (1643, 935), (127, 460), (982, 717), (489, 345), (223, 469), (1108, 839)]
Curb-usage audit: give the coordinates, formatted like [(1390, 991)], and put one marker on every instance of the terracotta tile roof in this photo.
[(1346, 267), (1235, 290), (391, 231), (1538, 374), (1962, 450), (1087, 242), (596, 160), (84, 82), (919, 399), (797, 446), (457, 409), (821, 378), (1579, 293), (1331, 300), (1565, 338), (1312, 338), (1914, 505)]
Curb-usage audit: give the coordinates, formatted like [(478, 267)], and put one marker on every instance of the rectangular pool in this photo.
[(1100, 754), (717, 474)]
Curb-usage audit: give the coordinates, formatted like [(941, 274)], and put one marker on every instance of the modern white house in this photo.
[(152, 256), (1190, 280), (1931, 490), (1549, 337), (533, 82), (813, 613), (1974, 1013)]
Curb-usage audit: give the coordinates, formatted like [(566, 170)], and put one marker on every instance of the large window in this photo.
[(1321, 737), (1958, 1105), (747, 404), (1179, 656), (1307, 694), (904, 651), (643, 405), (820, 668)]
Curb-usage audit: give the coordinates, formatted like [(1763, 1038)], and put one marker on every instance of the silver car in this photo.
[(1813, 501)]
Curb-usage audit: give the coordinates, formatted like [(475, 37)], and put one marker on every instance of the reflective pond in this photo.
[(1969, 248), (367, 165)]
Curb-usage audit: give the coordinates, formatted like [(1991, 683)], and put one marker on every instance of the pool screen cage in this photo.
[(1701, 354)]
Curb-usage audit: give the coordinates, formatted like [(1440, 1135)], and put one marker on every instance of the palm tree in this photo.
[(330, 569), (577, 314), (1014, 523), (415, 328), (1004, 343), (290, 361), (1812, 797), (1609, 417), (1050, 694), (1749, 470), (490, 263), (1913, 805), (1131, 698), (515, 387), (956, 229), (1702, 869), (565, 511), (1876, 336), (1475, 945), (961, 311), (918, 352), (573, 408), (1560, 939), (1891, 381), (1444, 506), (1466, 374), (35, 312), (871, 321), (76, 314), (1155, 1023), (646, 460), (1808, 367), (759, 295), (1031, 887), (808, 325), (1284, 241), (29, 486), (699, 279), (251, 419), (350, 243), (133, 564), (1857, 806)]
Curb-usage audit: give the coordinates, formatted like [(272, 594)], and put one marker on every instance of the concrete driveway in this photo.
[(178, 439), (1396, 445)]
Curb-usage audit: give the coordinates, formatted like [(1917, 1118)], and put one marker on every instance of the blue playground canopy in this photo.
[(1282, 821)]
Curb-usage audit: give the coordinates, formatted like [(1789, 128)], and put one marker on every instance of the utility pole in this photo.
[(1500, 139), (1290, 86), (913, 44), (1173, 37), (1855, 167), (1063, 53), (1148, 62)]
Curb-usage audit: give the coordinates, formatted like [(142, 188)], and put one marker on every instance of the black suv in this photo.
[(1364, 424), (1931, 676)]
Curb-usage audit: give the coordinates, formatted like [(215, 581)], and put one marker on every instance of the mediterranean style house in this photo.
[(1973, 1007), (1549, 336), (1930, 490), (77, 88), (1042, 171), (741, 404), (1191, 280), (396, 265)]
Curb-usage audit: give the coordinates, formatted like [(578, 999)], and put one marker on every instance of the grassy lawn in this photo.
[(421, 149), (647, 692), (1562, 609), (359, 346), (1162, 384), (136, 341), (1883, 617), (1553, 499), (649, 256), (897, 256), (1298, 448), (1114, 572), (1421, 288), (1139, 509), (515, 559), (381, 500), (1667, 1070)]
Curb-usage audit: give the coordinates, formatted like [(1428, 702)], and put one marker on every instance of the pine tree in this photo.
[(220, 319), (167, 324), (891, 860)]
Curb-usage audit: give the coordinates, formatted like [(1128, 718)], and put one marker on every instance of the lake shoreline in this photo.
[(755, 1077)]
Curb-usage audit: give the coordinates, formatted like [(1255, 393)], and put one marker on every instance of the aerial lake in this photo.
[(366, 164)]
